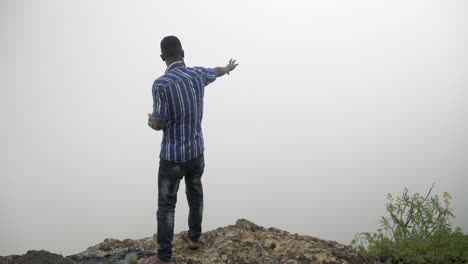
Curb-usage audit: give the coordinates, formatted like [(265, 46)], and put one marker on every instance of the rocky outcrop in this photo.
[(242, 243), (36, 257)]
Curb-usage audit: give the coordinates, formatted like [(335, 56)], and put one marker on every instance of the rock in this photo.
[(242, 243), (36, 257)]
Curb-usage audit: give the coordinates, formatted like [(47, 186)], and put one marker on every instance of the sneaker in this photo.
[(191, 244), (152, 260)]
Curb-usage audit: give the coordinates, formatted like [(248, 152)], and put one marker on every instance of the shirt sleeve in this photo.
[(209, 74), (159, 103)]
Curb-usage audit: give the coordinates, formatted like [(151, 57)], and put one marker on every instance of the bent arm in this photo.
[(157, 119)]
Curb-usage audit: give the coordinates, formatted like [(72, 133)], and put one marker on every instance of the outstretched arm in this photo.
[(226, 69)]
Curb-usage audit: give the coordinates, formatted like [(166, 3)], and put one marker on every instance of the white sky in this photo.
[(334, 105)]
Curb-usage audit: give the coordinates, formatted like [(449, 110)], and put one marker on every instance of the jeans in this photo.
[(169, 176)]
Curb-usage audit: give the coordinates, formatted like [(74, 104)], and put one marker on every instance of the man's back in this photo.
[(178, 99)]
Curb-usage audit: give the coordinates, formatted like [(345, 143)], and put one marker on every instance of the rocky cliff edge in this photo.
[(242, 243)]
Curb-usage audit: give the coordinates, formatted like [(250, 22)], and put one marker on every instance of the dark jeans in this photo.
[(169, 176)]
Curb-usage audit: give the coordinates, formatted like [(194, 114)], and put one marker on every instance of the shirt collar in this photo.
[(174, 65)]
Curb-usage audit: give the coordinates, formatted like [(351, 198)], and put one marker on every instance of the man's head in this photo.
[(171, 49)]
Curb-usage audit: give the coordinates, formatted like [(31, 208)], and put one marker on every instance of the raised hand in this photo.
[(231, 65)]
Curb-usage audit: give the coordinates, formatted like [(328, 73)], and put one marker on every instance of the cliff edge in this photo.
[(242, 243)]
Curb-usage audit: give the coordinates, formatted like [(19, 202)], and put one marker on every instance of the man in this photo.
[(178, 112)]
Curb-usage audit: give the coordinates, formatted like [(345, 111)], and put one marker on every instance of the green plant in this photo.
[(132, 260), (416, 230)]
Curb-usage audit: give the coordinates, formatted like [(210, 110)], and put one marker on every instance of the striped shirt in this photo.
[(178, 99)]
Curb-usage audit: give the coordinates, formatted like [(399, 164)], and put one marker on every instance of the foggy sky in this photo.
[(334, 105)]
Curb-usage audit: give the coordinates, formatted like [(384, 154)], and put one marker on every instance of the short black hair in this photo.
[(171, 47)]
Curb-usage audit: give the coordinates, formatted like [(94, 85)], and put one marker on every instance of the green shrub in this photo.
[(132, 260), (416, 230)]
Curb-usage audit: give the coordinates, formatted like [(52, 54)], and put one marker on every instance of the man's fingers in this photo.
[(232, 64)]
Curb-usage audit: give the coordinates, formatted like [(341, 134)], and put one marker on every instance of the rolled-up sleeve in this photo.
[(209, 74), (159, 103)]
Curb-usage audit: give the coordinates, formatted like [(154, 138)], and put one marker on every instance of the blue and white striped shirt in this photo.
[(178, 99)]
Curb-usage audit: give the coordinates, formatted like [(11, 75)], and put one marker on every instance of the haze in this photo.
[(334, 105)]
